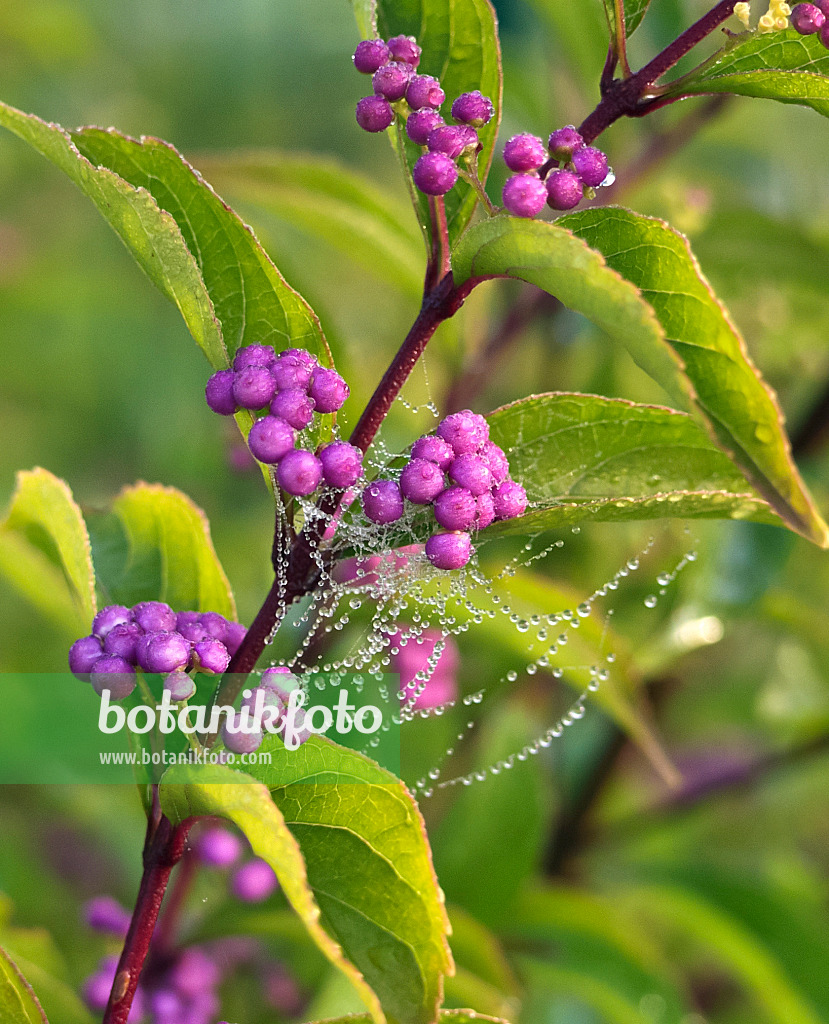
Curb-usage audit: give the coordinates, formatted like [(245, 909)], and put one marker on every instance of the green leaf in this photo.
[(187, 791), (156, 545), (330, 202), (253, 302), (783, 66), (36, 955), (45, 550), (18, 1003), (581, 985), (443, 1017), (460, 47), (634, 13), (369, 866), (736, 405), (583, 456), (150, 234)]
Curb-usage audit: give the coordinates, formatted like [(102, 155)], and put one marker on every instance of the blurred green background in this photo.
[(609, 896)]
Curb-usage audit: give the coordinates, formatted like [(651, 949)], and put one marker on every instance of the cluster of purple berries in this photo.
[(180, 986), (152, 637), (292, 387), (273, 696), (418, 98), (572, 171), (478, 491), (811, 18)]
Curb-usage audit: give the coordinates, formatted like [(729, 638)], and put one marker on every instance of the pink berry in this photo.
[(486, 511), (591, 165), (342, 464), (449, 550), (113, 674), (564, 190), (219, 393), (435, 174), (524, 195), (83, 654), (212, 655), (435, 449), (452, 139), (293, 406), (510, 500), (270, 439), (473, 108), (370, 55), (254, 882), (383, 502), (253, 387), (392, 80), (292, 370), (253, 355), (564, 142), (299, 472), (154, 616), (405, 49), (328, 390), (109, 617), (455, 508), (496, 460), (424, 91), (374, 114), (807, 19), (421, 481), (218, 848), (524, 153), (471, 471), (421, 123), (465, 431)]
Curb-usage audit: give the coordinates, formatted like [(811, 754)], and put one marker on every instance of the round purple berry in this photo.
[(162, 652), (564, 190), (424, 91), (472, 472), (342, 464), (822, 6), (452, 139), (113, 674), (807, 19), (193, 631), (564, 142), (183, 618), (215, 624), (179, 685), (524, 153), (97, 986), (270, 439), (294, 406), (524, 195), (82, 656), (421, 123), (105, 914), (496, 460), (374, 114), (218, 848), (510, 500), (392, 80), (154, 616), (328, 390), (383, 502), (405, 49), (473, 108), (591, 165), (370, 55), (434, 174), (121, 641), (434, 449), (219, 393), (465, 431), (109, 617), (237, 741), (212, 655), (299, 472), (824, 33), (233, 638), (455, 508), (193, 973), (254, 881), (449, 550), (486, 511), (253, 387), (421, 481), (293, 369), (253, 355)]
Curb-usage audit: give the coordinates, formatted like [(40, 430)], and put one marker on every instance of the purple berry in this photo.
[(194, 972), (82, 656), (162, 652), (342, 464), (392, 80), (473, 108), (253, 387), (824, 33), (294, 406), (383, 502), (591, 165), (215, 624), (254, 882), (113, 674), (193, 631), (564, 142), (486, 511), (435, 174), (449, 550), (424, 91), (219, 392), (239, 742), (524, 195), (154, 616), (370, 55), (97, 986), (299, 472), (524, 153), (510, 500), (807, 19), (421, 481), (434, 449), (452, 139), (564, 190), (455, 508), (300, 355), (235, 635), (374, 114), (179, 685), (465, 431), (105, 914), (293, 369), (253, 355), (109, 617), (121, 641), (472, 472), (822, 6), (270, 439), (183, 618), (218, 848), (420, 124), (405, 49), (328, 390), (496, 460), (212, 655)]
